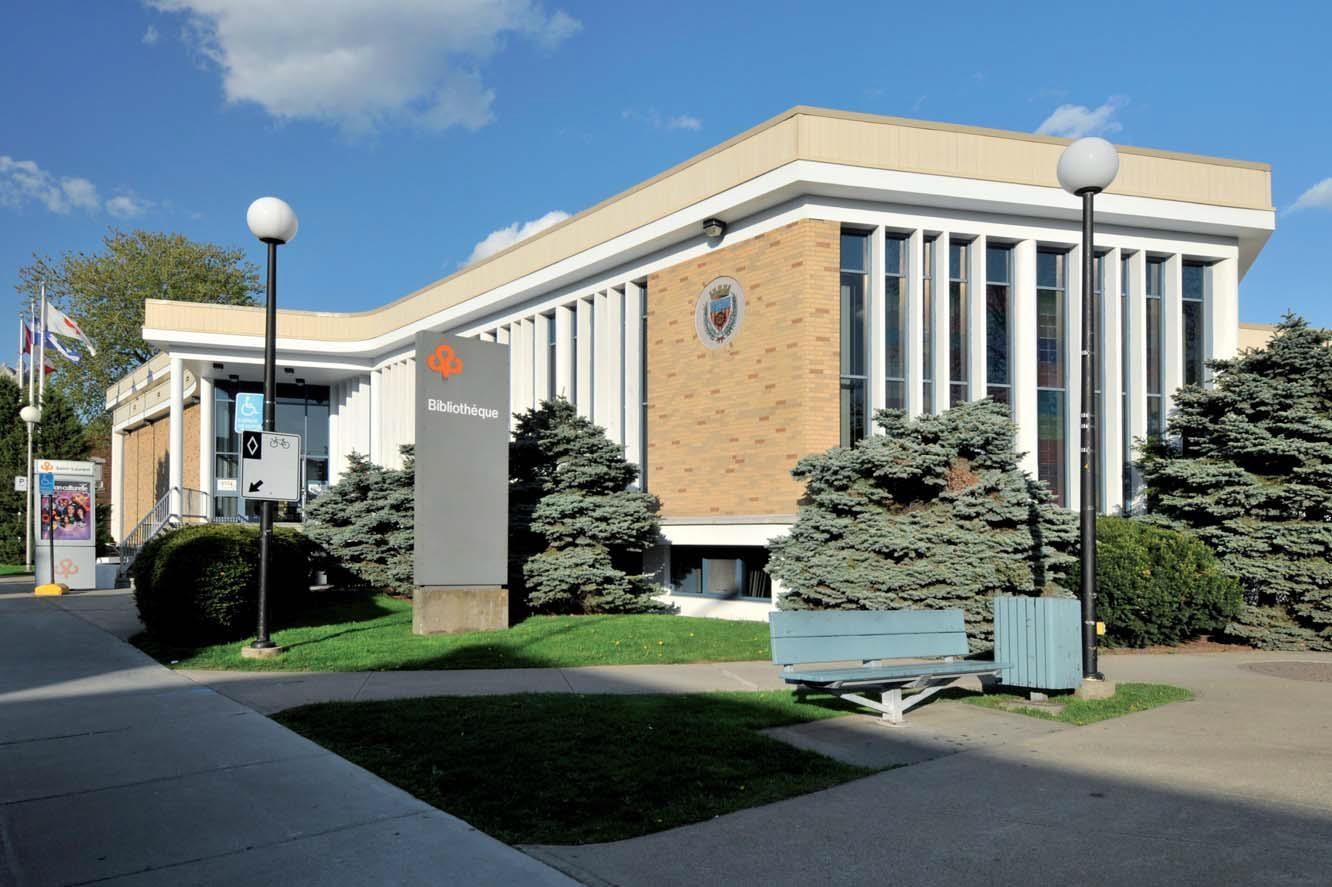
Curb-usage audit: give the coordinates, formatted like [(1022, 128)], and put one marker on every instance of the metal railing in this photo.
[(193, 510)]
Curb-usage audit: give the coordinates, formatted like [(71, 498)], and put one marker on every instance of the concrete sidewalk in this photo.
[(1234, 787), (114, 770)]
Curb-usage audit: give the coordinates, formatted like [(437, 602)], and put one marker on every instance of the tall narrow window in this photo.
[(550, 357), (998, 319), (894, 321), (1193, 277), (1097, 356), (927, 324), (957, 322), (1155, 338), (1125, 350), (854, 333), (1051, 442)]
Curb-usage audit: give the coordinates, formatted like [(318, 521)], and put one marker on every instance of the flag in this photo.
[(62, 325), (69, 352), (29, 338)]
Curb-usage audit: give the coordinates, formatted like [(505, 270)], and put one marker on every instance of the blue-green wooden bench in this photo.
[(801, 639)]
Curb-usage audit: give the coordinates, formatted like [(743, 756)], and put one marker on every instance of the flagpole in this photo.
[(41, 375), (27, 500)]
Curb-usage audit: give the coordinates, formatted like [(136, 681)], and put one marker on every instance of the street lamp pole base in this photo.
[(1096, 688), (272, 651)]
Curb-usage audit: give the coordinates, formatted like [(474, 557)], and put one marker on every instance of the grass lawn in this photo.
[(12, 569), (566, 769), (375, 634), (1128, 698)]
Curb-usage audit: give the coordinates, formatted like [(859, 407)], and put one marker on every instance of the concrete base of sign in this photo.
[(454, 609), (1094, 689), (249, 652), (51, 589)]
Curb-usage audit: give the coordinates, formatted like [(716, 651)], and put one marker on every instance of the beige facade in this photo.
[(725, 426)]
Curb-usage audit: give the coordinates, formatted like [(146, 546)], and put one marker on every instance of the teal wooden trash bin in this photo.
[(1040, 638)]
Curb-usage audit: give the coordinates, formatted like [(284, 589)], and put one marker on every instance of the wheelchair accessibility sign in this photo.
[(271, 466), (249, 412)]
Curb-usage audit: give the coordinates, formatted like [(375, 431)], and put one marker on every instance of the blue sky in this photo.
[(406, 133)]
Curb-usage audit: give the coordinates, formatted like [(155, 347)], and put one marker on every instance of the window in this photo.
[(958, 254), (739, 573), (1097, 350), (894, 321), (927, 324), (998, 321), (1051, 442), (300, 409), (1155, 338), (550, 357), (1125, 346), (1194, 280), (854, 337)]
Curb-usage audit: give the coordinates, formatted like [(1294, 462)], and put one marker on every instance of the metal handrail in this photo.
[(193, 509)]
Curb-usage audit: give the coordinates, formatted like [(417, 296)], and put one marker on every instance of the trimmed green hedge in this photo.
[(200, 584), (1158, 586)]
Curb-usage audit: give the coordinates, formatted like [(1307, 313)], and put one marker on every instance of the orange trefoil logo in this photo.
[(445, 362)]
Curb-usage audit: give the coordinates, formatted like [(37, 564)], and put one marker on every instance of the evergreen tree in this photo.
[(575, 527), (933, 514), (59, 435), (1249, 471), (365, 522)]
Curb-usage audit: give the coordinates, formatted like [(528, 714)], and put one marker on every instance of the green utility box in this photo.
[(1040, 638)]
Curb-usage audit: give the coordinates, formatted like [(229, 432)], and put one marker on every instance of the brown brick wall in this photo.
[(725, 426), (146, 471)]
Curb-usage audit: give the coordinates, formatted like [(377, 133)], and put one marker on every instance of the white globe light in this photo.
[(271, 219), (30, 414), (1089, 164)]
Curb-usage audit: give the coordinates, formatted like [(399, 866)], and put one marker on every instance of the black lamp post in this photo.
[(274, 223), (1086, 168)]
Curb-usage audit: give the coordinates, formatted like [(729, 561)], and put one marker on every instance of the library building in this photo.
[(754, 304)]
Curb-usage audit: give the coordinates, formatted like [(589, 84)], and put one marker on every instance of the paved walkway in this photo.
[(115, 770)]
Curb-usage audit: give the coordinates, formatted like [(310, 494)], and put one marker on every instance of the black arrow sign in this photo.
[(254, 487)]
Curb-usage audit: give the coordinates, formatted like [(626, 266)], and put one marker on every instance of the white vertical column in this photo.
[(1172, 345), (541, 362), (611, 392), (504, 336), (176, 435), (939, 349), (1023, 358), (206, 442), (633, 370), (564, 320), (116, 488), (877, 363), (1073, 378), (915, 324), (376, 411), (584, 358), (600, 361), (976, 340), (1137, 374), (1110, 352), (1221, 312), (487, 336), (526, 354)]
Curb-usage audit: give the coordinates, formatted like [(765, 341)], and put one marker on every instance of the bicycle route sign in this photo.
[(270, 466)]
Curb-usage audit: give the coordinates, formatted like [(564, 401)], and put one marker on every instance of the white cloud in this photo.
[(503, 238), (23, 182), (151, 36), (359, 63), (654, 118), (1076, 121), (1317, 197), (128, 206)]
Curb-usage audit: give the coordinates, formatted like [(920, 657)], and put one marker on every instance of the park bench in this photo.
[(801, 639)]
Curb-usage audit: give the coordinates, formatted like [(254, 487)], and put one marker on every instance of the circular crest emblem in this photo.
[(719, 312)]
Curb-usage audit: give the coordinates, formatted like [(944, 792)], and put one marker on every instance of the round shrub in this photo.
[(1158, 586), (200, 584)]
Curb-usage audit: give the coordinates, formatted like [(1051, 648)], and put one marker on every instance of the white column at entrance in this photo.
[(878, 396), (633, 357), (542, 383), (503, 337), (1172, 346), (176, 435), (585, 383), (564, 320), (1221, 312), (206, 443), (115, 489), (1111, 355), (610, 381), (976, 356), (915, 325), (939, 350), (1024, 353), (376, 414)]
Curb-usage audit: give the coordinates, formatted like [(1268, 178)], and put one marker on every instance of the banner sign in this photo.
[(462, 461)]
